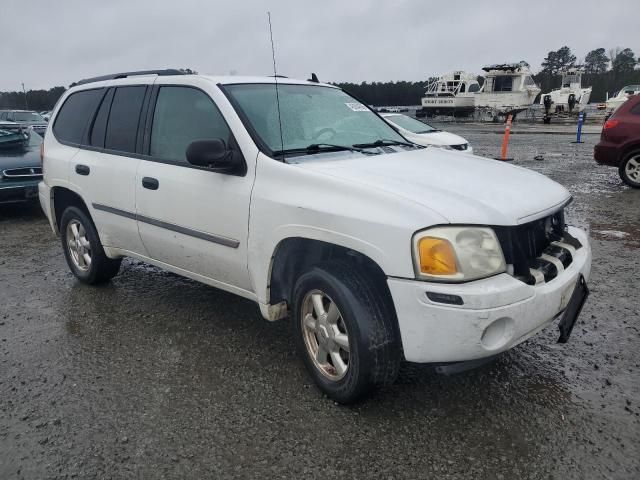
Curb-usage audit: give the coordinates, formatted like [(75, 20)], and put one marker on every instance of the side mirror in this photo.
[(214, 154)]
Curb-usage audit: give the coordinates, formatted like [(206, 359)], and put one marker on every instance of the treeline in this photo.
[(38, 100), (387, 93)]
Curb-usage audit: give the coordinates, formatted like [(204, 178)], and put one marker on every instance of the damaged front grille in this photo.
[(538, 251)]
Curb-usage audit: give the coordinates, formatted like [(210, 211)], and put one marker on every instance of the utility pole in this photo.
[(26, 105)]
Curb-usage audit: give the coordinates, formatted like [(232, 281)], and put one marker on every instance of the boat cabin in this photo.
[(507, 78), (452, 85)]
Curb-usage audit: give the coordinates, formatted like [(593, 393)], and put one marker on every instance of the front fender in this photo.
[(262, 256)]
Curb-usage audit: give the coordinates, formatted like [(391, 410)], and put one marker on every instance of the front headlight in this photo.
[(457, 254)]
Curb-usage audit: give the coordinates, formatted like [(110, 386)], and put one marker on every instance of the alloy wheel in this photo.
[(79, 245), (632, 169), (325, 335)]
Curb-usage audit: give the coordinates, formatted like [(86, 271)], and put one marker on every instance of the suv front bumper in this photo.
[(22, 191), (498, 312)]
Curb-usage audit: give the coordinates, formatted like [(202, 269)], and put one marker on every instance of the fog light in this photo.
[(497, 334)]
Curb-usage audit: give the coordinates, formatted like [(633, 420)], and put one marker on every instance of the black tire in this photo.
[(101, 268), (375, 350), (624, 173)]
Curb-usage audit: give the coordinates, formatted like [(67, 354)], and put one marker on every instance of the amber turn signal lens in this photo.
[(436, 256)]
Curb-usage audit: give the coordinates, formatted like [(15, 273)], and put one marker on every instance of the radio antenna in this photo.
[(275, 77)]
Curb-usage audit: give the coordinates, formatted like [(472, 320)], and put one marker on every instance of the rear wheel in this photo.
[(630, 169), (83, 250), (345, 331)]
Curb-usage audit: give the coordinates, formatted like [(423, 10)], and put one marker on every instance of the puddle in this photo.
[(610, 233), (629, 234)]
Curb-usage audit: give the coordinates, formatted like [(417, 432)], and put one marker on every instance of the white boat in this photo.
[(621, 97), (451, 94), (570, 95), (508, 88)]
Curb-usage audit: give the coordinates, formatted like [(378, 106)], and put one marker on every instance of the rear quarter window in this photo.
[(96, 138), (74, 115)]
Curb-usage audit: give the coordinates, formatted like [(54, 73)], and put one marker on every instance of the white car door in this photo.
[(104, 170), (189, 217)]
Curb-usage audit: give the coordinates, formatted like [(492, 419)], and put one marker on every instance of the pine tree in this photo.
[(596, 61)]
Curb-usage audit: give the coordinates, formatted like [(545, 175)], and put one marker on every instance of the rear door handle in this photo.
[(82, 170), (150, 183)]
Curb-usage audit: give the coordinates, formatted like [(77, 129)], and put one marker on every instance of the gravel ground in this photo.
[(155, 376)]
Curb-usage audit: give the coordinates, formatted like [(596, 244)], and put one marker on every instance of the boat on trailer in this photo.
[(450, 94), (508, 88), (570, 97), (622, 96)]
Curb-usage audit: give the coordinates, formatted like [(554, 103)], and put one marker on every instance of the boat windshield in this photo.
[(309, 114), (27, 117), (568, 79), (411, 124)]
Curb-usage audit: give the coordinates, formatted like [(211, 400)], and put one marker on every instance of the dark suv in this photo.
[(26, 118), (620, 142)]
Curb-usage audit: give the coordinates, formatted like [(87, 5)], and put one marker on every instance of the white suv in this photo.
[(299, 197)]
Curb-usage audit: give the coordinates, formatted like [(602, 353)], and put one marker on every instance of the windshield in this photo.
[(27, 117), (411, 124), (310, 115)]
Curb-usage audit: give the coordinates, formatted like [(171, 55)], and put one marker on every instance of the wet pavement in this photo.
[(155, 376)]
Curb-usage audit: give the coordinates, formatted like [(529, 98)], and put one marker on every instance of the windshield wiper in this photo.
[(383, 142), (320, 147)]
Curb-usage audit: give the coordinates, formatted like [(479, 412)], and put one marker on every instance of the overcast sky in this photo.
[(46, 43)]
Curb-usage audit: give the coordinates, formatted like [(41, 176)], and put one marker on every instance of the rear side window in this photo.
[(100, 123), (122, 127), (74, 115), (635, 109), (182, 115)]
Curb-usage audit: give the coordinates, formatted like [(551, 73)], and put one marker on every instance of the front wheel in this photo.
[(83, 250), (345, 331), (630, 169)]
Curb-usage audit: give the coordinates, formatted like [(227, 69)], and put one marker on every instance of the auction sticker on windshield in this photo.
[(357, 107)]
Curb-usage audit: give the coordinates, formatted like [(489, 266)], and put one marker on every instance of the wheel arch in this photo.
[(294, 255), (62, 198), (629, 149)]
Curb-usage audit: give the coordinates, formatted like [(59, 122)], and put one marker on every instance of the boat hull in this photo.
[(461, 106), (505, 102)]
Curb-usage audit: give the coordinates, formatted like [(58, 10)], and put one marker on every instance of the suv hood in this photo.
[(461, 188)]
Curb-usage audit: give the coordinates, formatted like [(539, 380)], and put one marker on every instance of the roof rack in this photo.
[(113, 76)]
